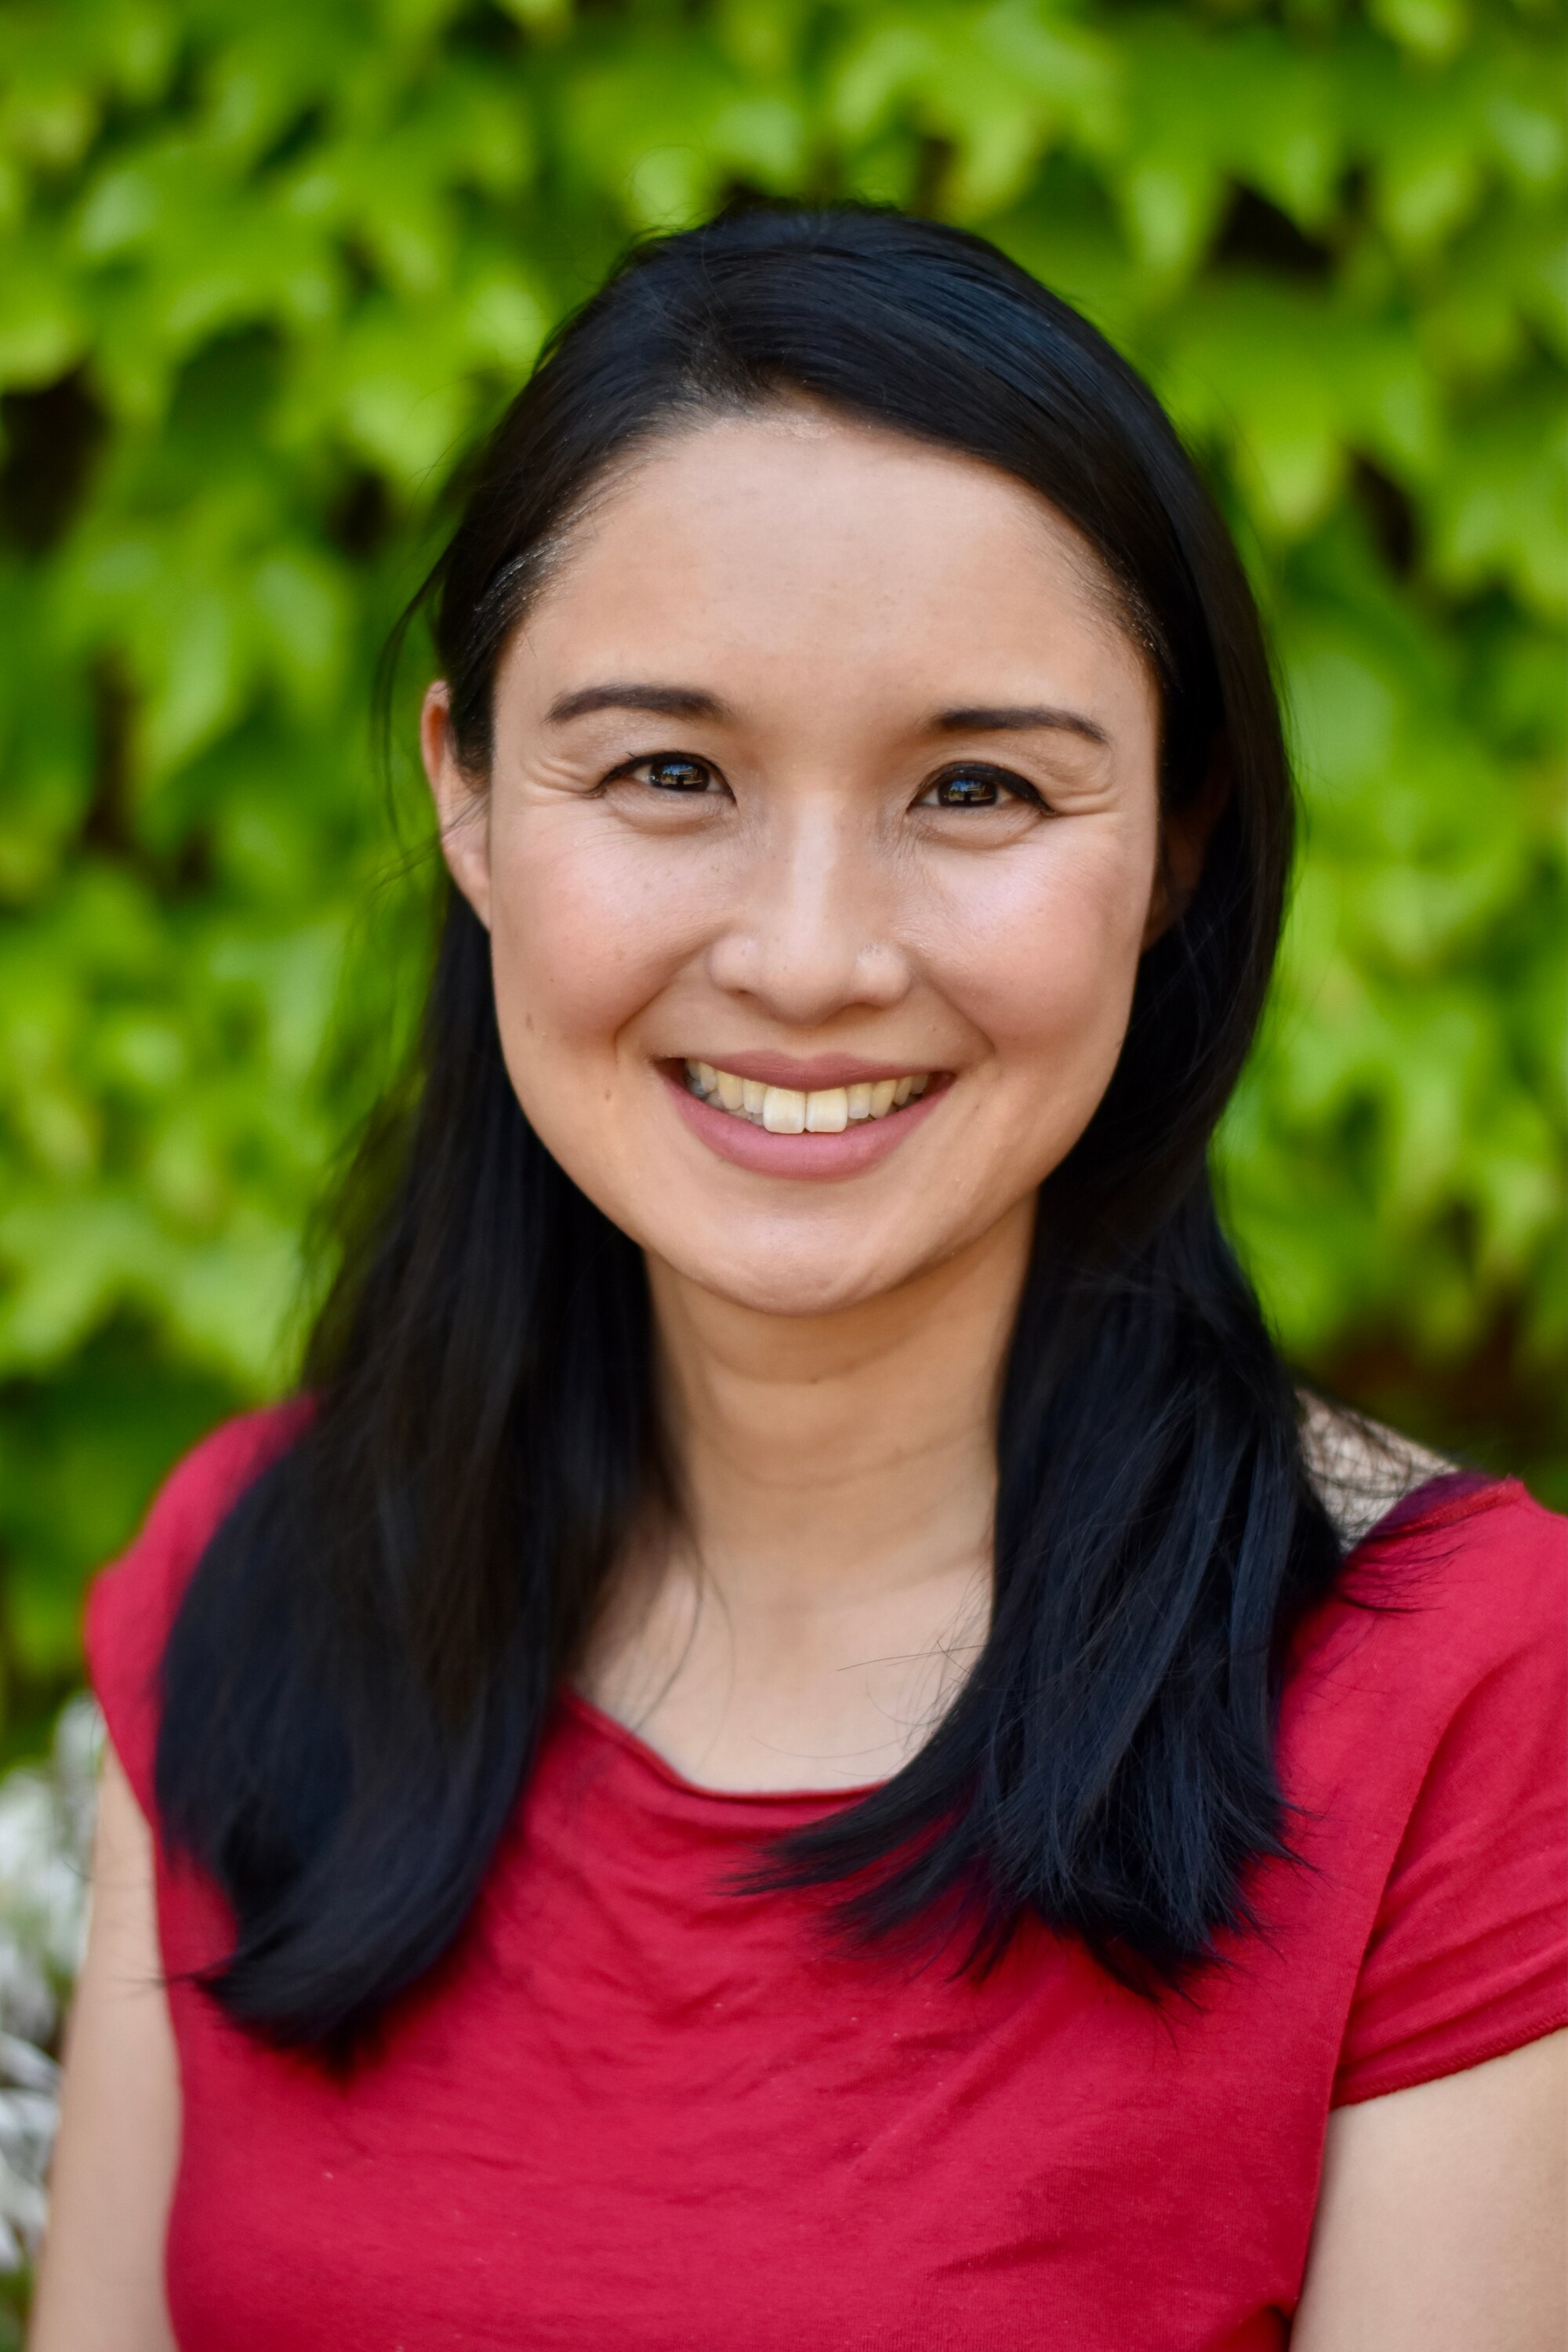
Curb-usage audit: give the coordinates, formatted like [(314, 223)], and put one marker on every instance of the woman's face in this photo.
[(825, 783)]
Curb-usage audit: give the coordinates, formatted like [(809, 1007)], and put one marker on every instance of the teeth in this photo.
[(785, 1111)]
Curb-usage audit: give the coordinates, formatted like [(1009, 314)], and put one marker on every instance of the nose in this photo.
[(812, 937)]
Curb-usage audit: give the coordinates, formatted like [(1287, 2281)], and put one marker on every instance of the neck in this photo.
[(831, 1576), (845, 1454)]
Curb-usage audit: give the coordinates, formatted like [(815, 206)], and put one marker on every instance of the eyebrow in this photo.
[(696, 702), (667, 701), (1018, 718)]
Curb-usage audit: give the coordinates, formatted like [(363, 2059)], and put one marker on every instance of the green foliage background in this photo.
[(264, 268)]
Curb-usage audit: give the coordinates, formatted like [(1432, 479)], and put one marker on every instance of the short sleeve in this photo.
[(1469, 1955), (133, 1604)]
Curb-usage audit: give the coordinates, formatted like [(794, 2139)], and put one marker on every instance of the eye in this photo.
[(673, 772), (978, 787)]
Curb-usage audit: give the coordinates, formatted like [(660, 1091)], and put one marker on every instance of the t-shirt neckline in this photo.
[(609, 1727)]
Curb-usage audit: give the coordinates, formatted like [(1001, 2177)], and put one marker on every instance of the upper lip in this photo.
[(813, 1075)]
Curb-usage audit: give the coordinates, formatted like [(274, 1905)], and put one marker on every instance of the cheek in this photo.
[(1042, 955), (584, 931)]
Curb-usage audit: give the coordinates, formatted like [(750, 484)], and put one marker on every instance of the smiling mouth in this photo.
[(785, 1111)]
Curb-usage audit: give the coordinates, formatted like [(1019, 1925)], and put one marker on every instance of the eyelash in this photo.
[(629, 773), (1005, 781)]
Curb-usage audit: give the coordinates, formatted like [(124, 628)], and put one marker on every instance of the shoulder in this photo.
[(1465, 1573), (149, 1579), (133, 1602), (1422, 1740), (1459, 1570), (1460, 1591)]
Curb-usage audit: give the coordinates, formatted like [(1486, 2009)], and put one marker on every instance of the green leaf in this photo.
[(263, 273)]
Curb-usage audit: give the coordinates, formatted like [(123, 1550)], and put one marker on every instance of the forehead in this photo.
[(797, 535)]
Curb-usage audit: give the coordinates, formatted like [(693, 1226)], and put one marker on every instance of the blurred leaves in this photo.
[(263, 272)]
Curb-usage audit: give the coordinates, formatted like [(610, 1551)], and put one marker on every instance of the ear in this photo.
[(1184, 845), (461, 809)]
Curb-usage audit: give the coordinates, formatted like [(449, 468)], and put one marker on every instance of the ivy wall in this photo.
[(263, 271)]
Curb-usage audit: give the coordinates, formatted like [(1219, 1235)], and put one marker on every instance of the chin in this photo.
[(771, 1280)]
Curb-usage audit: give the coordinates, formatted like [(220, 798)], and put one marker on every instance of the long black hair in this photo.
[(365, 1662)]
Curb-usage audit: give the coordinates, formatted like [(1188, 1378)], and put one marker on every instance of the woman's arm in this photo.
[(1440, 2219), (101, 2287)]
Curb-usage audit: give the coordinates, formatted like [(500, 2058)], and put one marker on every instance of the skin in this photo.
[(101, 2287), (817, 596), (809, 901)]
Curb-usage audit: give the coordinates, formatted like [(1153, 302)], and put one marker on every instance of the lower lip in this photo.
[(823, 1157)]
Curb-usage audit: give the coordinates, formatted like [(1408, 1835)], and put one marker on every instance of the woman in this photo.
[(787, 1751)]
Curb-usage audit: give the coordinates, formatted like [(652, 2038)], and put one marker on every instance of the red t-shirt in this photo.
[(637, 2110)]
